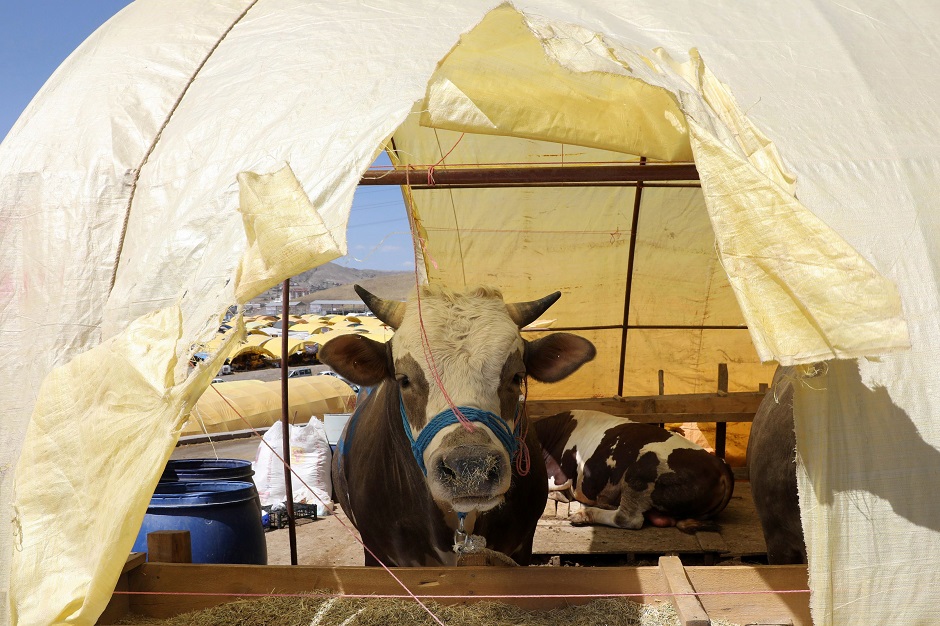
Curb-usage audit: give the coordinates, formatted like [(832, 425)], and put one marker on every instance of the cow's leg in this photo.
[(370, 561), (633, 505)]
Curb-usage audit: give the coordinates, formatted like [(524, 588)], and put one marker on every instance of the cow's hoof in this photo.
[(581, 518)]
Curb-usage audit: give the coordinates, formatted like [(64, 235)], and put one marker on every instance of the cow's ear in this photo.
[(361, 360), (557, 356)]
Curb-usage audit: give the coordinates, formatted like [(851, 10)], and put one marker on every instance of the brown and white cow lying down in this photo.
[(628, 472), (402, 481)]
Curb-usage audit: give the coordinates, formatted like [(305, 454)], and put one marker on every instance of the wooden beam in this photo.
[(760, 605), (163, 582), (688, 608), (705, 407), (157, 579), (449, 177)]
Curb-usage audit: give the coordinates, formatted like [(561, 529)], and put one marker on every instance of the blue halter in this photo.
[(447, 417)]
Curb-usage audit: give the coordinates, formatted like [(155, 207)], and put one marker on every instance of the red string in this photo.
[(379, 596), (431, 168), (425, 342), (523, 458)]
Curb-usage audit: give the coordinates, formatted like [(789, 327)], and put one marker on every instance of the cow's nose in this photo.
[(470, 468)]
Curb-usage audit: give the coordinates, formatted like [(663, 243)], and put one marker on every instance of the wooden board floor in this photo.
[(740, 534)]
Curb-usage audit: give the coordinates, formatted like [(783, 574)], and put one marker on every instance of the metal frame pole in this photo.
[(285, 422)]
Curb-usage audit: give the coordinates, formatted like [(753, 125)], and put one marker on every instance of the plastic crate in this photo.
[(272, 519)]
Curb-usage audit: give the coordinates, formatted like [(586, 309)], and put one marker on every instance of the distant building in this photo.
[(273, 307), (342, 307)]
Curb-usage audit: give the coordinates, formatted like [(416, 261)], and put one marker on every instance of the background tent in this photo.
[(243, 404), (192, 155)]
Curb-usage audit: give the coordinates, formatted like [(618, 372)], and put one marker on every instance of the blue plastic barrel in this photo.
[(207, 469), (223, 519)]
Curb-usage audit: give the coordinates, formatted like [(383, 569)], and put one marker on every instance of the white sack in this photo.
[(310, 460)]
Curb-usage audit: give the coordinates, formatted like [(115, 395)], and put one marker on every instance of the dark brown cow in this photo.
[(771, 461), (628, 471), (405, 470)]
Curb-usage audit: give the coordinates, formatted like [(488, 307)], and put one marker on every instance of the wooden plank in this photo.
[(688, 608), (161, 581), (737, 403), (711, 541), (681, 418), (134, 559), (714, 583), (756, 601), (560, 537)]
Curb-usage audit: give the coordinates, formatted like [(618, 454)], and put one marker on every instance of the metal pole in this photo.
[(629, 288), (285, 422), (421, 178)]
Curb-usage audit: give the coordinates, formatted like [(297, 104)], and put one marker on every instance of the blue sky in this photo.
[(37, 35)]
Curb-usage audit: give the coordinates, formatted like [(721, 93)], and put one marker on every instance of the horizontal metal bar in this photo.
[(631, 327), (497, 176), (553, 185)]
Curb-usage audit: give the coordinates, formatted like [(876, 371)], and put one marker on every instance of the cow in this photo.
[(771, 462), (407, 470), (628, 472)]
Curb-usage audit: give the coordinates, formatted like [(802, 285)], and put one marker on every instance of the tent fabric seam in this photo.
[(159, 135)]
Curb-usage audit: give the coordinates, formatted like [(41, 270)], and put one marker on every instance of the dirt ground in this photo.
[(327, 541)]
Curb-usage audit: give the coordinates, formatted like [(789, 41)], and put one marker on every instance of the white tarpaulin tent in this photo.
[(191, 155)]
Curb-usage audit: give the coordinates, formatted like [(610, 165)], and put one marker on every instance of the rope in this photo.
[(521, 431), (507, 596), (491, 557), (449, 417), (431, 168), (159, 135), (425, 343)]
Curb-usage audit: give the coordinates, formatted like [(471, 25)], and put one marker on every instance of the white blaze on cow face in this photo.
[(476, 357)]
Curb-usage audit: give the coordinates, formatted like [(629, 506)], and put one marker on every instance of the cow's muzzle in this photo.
[(472, 477)]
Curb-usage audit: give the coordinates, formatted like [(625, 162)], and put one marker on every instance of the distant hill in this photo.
[(331, 281), (388, 285)]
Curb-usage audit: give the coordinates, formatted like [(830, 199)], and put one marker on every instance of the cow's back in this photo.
[(771, 461)]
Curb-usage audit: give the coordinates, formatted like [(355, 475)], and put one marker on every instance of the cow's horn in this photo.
[(524, 313), (389, 311)]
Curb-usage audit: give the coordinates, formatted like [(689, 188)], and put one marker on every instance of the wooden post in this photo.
[(721, 428), (662, 388), (169, 546)]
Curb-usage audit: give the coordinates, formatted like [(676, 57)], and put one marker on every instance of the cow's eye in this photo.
[(518, 378), (403, 381)]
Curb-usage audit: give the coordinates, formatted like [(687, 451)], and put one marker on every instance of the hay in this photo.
[(322, 610)]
